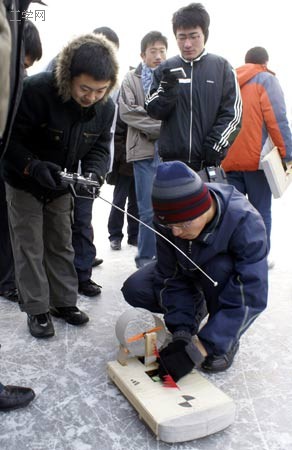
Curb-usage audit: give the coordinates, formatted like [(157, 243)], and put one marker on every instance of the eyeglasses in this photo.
[(191, 37), (179, 226)]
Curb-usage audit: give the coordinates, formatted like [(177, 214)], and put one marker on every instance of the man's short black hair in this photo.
[(257, 55), (152, 37), (192, 16), (110, 34), (94, 60), (32, 41)]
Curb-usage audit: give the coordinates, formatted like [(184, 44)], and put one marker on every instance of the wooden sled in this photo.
[(195, 409)]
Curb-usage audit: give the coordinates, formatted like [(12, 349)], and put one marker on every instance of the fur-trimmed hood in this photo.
[(64, 59)]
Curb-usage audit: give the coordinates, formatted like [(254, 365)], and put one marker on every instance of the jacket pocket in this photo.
[(55, 135), (89, 138)]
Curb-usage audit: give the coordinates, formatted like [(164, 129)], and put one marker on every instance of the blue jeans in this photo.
[(255, 186), (82, 238), (144, 171)]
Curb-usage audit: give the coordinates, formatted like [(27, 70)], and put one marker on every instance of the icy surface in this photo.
[(78, 408)]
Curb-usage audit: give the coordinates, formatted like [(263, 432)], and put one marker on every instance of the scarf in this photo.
[(146, 76)]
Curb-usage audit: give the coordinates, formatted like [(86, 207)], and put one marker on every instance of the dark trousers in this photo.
[(254, 184), (124, 189), (7, 275), (82, 238), (228, 317)]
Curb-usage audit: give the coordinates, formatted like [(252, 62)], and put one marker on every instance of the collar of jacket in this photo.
[(204, 53), (138, 70), (248, 71), (208, 233), (82, 114)]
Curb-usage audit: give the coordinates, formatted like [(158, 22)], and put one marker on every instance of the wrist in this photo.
[(194, 354), (182, 335), (200, 346)]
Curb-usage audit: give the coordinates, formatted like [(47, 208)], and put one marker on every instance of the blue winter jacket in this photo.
[(232, 250)]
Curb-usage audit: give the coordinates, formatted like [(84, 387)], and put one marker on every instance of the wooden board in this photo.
[(195, 410), (277, 177)]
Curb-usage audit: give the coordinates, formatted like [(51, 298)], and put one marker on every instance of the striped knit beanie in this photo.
[(178, 193)]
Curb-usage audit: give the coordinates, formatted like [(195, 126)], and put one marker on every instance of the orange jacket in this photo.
[(264, 115)]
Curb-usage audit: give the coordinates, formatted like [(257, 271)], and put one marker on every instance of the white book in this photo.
[(277, 176)]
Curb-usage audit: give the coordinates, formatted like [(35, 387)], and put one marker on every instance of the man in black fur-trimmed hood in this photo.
[(64, 117)]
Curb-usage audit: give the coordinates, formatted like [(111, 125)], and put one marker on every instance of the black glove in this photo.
[(213, 158), (179, 357), (168, 79), (46, 173)]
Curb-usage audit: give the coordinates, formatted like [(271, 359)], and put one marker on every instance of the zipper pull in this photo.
[(190, 247)]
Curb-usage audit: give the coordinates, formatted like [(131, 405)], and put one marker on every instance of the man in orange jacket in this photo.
[(264, 125)]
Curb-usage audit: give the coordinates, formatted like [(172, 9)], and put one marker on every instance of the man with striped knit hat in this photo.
[(214, 257)]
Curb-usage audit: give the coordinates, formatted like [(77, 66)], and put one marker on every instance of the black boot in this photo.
[(13, 397), (40, 325), (97, 262), (219, 363), (89, 288), (71, 314), (10, 294)]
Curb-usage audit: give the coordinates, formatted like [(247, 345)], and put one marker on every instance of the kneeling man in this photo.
[(217, 266)]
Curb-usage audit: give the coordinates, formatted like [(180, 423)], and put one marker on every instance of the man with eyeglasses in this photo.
[(200, 112), (211, 253)]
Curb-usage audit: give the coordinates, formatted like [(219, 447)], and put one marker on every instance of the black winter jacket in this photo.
[(120, 156), (63, 133), (51, 126), (201, 114)]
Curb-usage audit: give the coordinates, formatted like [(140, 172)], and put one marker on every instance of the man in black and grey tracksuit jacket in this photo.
[(200, 113)]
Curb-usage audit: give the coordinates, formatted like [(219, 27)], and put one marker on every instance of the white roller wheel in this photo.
[(136, 321)]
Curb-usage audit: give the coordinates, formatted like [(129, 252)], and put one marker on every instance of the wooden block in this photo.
[(196, 409), (150, 345), (123, 355), (277, 177)]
